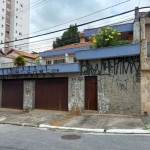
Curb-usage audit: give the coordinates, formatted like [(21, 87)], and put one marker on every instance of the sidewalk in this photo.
[(64, 120)]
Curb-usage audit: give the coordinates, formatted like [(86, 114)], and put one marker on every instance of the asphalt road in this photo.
[(27, 138)]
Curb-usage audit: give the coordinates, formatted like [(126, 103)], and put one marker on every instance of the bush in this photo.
[(107, 37), (19, 61)]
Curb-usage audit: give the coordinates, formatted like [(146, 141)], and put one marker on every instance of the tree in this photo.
[(68, 37), (19, 61)]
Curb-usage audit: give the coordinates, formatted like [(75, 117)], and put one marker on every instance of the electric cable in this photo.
[(74, 19)]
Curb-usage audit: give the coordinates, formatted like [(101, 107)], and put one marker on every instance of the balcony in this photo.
[(109, 52)]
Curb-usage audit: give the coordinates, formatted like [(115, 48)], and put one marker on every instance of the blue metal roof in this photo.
[(122, 28), (109, 52)]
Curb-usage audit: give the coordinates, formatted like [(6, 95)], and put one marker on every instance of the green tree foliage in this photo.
[(19, 61), (68, 37)]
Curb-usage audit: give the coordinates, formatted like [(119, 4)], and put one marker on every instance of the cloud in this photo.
[(59, 11)]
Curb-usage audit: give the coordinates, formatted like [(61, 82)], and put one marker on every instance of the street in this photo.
[(27, 138)]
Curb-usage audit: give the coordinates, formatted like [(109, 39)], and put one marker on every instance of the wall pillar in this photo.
[(69, 59), (29, 95), (76, 94), (136, 27), (0, 93)]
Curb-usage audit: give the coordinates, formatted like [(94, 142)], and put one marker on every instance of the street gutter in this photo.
[(119, 131)]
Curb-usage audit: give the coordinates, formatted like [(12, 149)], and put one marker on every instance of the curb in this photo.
[(119, 131)]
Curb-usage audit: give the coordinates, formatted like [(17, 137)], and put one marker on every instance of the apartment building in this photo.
[(14, 23)]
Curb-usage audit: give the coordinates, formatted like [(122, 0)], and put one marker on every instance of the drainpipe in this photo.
[(136, 26)]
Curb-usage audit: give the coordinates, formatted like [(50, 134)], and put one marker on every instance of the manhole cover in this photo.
[(71, 137)]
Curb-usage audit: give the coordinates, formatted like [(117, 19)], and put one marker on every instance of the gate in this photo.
[(12, 94), (52, 94)]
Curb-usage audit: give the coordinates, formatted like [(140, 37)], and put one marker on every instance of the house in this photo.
[(75, 78), (66, 54), (29, 57), (6, 60)]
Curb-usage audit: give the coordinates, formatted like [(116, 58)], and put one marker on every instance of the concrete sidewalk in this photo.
[(64, 119)]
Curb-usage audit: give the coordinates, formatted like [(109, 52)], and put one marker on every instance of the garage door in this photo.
[(52, 94), (12, 94)]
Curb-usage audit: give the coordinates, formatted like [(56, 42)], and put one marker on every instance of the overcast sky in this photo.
[(55, 12)]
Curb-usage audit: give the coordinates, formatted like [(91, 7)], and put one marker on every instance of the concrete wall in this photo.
[(29, 95), (147, 34), (145, 70), (0, 93), (118, 84)]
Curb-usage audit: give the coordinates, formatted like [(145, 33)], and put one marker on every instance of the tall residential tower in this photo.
[(14, 23)]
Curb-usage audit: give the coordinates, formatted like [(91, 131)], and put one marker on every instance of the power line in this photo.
[(21, 8), (60, 36), (23, 11), (76, 18), (71, 38), (37, 44), (77, 26)]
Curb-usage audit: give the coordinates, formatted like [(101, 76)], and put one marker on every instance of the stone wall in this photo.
[(29, 95), (118, 84), (76, 93), (0, 93), (145, 70)]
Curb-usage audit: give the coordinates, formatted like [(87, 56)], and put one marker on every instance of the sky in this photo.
[(54, 12)]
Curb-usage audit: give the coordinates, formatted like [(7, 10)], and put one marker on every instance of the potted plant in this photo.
[(19, 61), (107, 37)]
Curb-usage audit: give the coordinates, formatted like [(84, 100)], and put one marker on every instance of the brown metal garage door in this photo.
[(52, 94), (12, 94)]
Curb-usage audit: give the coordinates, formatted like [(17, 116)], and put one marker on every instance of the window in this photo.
[(16, 31), (2, 17), (1, 41), (16, 9), (20, 33), (15, 39), (16, 16), (8, 9), (48, 62), (8, 1), (7, 39), (7, 24), (75, 59), (1, 34), (21, 5), (3, 10), (59, 61), (16, 24), (17, 2), (7, 16), (7, 32), (2, 25)]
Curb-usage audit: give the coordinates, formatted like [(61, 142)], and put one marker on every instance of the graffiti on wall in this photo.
[(77, 99), (118, 83), (115, 66)]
